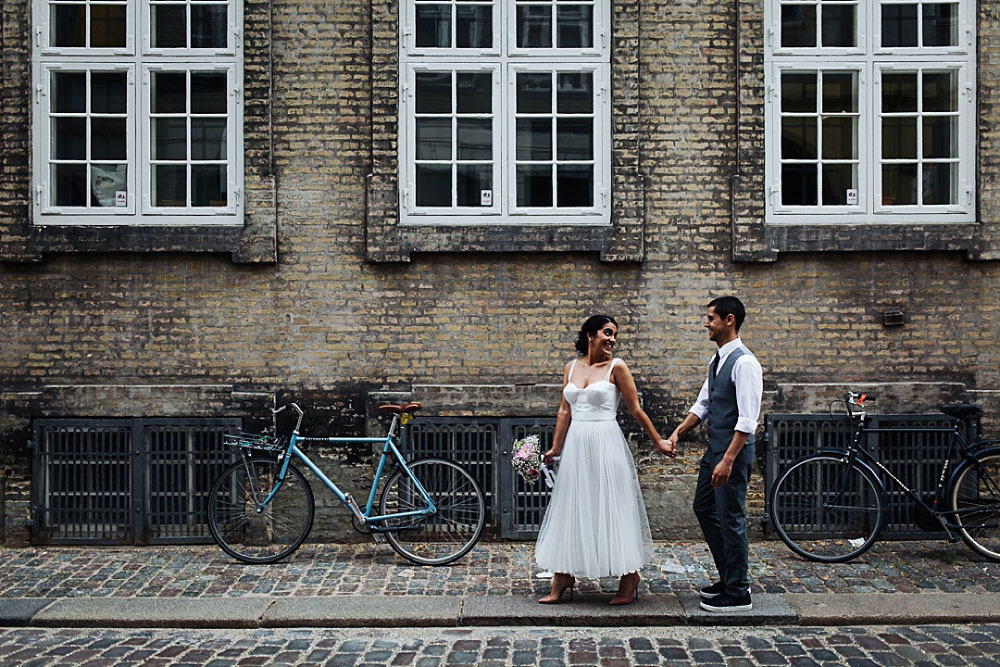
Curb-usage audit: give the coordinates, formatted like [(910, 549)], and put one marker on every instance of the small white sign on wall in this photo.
[(121, 198), (486, 198), (852, 197)]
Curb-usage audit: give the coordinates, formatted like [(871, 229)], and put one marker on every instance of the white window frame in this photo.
[(138, 61), (506, 60), (870, 59)]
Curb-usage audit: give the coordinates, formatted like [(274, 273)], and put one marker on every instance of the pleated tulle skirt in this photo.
[(595, 524)]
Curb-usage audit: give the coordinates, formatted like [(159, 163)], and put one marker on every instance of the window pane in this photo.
[(169, 26), (899, 25), (840, 138), (169, 138), (169, 92), (433, 139), (208, 26), (475, 139), (108, 92), (534, 139), (940, 184), (839, 27), (475, 92), (105, 181), (575, 92), (798, 92), (840, 92), (575, 185), (837, 180), (208, 138), (69, 184), (433, 91), (433, 26), (899, 184), (940, 24), (534, 185), (798, 138), (940, 91), (474, 27), (940, 137), (534, 27), (534, 93), (574, 26), (69, 92), (169, 185), (107, 26), (899, 92), (574, 139), (472, 180), (798, 185), (69, 25), (208, 92), (798, 26), (899, 138), (208, 185), (107, 139), (433, 185), (69, 138)]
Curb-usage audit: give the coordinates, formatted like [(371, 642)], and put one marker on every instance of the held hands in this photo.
[(668, 446)]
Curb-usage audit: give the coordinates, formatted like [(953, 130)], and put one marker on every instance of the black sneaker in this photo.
[(726, 602), (715, 590)]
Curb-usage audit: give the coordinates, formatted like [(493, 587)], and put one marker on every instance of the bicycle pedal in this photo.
[(378, 538)]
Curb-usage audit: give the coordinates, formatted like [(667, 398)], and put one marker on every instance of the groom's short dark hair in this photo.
[(729, 305)]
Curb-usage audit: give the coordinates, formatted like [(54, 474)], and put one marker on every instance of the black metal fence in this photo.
[(915, 458), (125, 481)]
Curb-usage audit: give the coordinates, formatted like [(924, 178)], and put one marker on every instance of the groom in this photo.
[(729, 404)]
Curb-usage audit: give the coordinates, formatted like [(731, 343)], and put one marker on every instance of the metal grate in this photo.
[(124, 481), (483, 447), (915, 458)]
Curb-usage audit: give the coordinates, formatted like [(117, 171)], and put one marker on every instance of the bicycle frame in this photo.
[(388, 448)]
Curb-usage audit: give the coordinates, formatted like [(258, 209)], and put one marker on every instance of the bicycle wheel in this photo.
[(826, 511), (434, 539), (975, 497), (255, 536)]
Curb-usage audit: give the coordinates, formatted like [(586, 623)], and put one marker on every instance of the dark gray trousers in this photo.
[(722, 515)]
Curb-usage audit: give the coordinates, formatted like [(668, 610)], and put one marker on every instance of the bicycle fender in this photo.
[(975, 447), (985, 449)]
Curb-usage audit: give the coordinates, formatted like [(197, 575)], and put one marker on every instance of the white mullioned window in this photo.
[(137, 112), (505, 112), (870, 111)]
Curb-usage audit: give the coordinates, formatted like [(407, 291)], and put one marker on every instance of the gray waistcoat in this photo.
[(723, 411)]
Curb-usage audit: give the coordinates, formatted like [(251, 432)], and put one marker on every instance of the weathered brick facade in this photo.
[(323, 298)]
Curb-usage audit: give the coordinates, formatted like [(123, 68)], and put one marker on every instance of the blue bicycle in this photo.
[(261, 508)]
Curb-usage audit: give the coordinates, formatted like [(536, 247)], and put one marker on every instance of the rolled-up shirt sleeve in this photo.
[(700, 407), (748, 377)]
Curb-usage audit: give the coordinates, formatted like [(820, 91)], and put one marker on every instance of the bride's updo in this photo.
[(590, 328)]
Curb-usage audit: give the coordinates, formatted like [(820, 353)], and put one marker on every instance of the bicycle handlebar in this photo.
[(855, 400)]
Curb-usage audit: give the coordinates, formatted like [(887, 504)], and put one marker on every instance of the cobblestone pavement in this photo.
[(492, 568), (800, 647)]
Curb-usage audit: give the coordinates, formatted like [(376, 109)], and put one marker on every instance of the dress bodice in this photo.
[(598, 401)]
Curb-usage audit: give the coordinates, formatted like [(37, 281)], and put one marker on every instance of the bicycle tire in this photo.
[(974, 494), (440, 538), (259, 537), (801, 515)]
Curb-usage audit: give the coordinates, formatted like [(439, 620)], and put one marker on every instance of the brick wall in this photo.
[(324, 326)]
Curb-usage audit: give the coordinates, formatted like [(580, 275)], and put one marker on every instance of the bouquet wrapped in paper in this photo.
[(527, 461)]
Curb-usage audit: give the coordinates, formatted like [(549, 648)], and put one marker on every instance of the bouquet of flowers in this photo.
[(527, 461)]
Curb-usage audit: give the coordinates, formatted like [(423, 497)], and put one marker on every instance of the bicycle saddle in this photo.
[(960, 410), (399, 409)]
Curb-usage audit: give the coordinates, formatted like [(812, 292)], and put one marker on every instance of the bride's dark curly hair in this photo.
[(590, 328)]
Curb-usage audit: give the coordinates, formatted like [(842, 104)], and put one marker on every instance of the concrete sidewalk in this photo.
[(364, 585)]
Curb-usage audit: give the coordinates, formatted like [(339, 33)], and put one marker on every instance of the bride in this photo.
[(595, 524)]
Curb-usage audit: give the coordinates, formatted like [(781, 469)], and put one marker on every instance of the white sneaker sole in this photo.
[(722, 610)]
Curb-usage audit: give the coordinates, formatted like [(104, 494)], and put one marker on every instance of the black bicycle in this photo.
[(840, 494)]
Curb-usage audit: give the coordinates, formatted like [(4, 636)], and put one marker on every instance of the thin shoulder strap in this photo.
[(611, 368), (569, 378)]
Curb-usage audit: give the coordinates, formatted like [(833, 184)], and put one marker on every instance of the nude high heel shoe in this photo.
[(560, 583), (628, 589)]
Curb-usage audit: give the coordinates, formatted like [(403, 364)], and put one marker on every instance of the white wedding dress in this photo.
[(595, 524)]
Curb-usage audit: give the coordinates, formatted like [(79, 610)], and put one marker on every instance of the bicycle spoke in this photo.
[(975, 499)]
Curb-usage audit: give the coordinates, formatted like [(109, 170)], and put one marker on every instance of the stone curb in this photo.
[(486, 610)]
